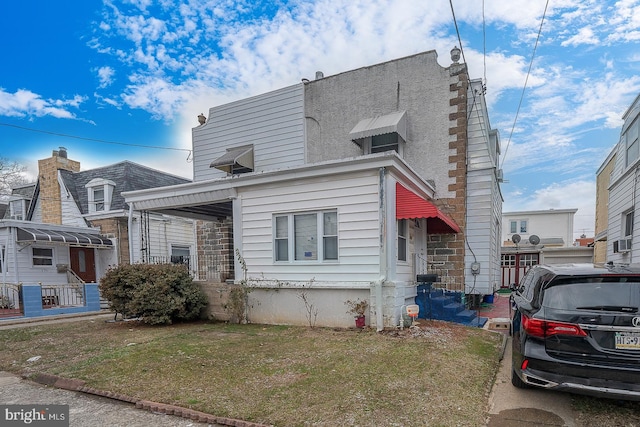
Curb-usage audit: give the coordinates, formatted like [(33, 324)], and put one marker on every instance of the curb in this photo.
[(162, 408)]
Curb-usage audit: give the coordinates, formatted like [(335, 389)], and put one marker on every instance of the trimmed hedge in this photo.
[(157, 293)]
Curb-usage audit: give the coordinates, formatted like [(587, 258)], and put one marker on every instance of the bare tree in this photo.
[(11, 175)]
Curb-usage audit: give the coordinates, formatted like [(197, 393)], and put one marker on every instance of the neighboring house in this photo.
[(346, 187), (603, 179), (538, 237), (74, 222), (622, 245)]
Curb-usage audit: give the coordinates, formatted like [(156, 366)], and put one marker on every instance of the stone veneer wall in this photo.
[(215, 245), (445, 252), (117, 228), (50, 188)]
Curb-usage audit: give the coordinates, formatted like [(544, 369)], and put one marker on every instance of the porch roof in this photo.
[(410, 206), (35, 234)]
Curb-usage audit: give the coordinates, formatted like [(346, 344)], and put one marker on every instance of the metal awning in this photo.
[(410, 206), (39, 235), (394, 122), (239, 157)]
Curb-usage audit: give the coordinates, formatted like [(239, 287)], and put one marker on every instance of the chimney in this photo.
[(50, 200), (319, 75)]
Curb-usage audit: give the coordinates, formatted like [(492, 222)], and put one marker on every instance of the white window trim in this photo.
[(53, 257), (366, 145), (18, 213), (107, 188), (405, 238), (291, 238)]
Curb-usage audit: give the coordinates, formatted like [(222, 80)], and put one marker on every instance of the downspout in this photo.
[(130, 232), (382, 213)]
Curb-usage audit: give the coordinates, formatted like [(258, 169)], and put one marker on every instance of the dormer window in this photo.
[(382, 133), (18, 209), (100, 194)]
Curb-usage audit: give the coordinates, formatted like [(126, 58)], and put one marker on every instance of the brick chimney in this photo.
[(50, 200)]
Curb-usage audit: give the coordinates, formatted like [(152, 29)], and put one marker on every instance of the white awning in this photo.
[(394, 122), (241, 157)]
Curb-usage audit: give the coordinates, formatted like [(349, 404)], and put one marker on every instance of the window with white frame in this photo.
[(100, 194), (180, 254), (632, 145), (381, 143), (523, 226), (628, 224), (18, 209), (513, 226), (402, 239), (42, 256), (308, 236)]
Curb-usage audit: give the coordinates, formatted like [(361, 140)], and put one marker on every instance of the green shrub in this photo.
[(157, 293)]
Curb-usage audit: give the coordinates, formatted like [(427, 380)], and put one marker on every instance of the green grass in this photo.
[(286, 376)]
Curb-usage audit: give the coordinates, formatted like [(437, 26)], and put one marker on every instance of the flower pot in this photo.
[(360, 322)]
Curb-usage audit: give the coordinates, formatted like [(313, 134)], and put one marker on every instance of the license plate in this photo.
[(628, 340)]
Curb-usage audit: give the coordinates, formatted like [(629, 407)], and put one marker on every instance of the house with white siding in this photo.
[(346, 187), (622, 245), (73, 224)]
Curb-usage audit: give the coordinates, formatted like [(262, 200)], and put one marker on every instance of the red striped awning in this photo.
[(410, 206)]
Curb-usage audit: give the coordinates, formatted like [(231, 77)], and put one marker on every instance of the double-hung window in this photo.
[(402, 239), (100, 194), (42, 256), (628, 224), (308, 236)]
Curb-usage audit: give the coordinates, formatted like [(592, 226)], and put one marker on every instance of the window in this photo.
[(628, 224), (42, 256), (308, 236), (384, 142), (98, 199), (632, 145), (18, 209), (514, 226), (180, 255), (100, 194), (402, 240), (523, 226)]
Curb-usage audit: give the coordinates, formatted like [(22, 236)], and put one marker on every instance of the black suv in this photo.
[(576, 328)]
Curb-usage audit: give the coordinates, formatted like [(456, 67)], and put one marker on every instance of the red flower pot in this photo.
[(360, 322)]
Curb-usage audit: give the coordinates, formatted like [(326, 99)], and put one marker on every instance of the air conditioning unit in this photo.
[(622, 245)]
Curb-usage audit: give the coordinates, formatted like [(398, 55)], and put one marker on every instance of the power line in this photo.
[(525, 83), (103, 141)]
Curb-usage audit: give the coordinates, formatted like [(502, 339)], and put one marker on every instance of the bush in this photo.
[(157, 293)]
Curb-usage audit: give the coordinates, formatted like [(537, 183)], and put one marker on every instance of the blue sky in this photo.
[(139, 72)]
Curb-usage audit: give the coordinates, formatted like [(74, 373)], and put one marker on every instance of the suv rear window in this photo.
[(596, 293)]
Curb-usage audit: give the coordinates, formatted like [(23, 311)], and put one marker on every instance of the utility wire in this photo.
[(92, 139), (525, 83)]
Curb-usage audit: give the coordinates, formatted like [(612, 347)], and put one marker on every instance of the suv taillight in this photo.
[(545, 328)]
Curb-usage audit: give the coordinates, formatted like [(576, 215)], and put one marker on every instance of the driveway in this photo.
[(513, 407)]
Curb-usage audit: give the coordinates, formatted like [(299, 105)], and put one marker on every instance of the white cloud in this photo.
[(24, 103), (584, 36), (105, 76)]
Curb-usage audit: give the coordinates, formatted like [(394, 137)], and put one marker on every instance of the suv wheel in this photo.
[(516, 381)]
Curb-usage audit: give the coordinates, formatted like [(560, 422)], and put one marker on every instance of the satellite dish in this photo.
[(515, 238), (534, 240)]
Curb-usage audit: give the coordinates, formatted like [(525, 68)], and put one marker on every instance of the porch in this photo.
[(36, 300)]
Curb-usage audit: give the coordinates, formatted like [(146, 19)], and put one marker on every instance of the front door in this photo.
[(83, 263)]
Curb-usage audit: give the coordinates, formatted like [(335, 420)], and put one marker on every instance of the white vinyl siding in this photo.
[(484, 200), (354, 197), (163, 232), (273, 123)]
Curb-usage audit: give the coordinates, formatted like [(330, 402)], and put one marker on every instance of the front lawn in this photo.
[(286, 376)]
